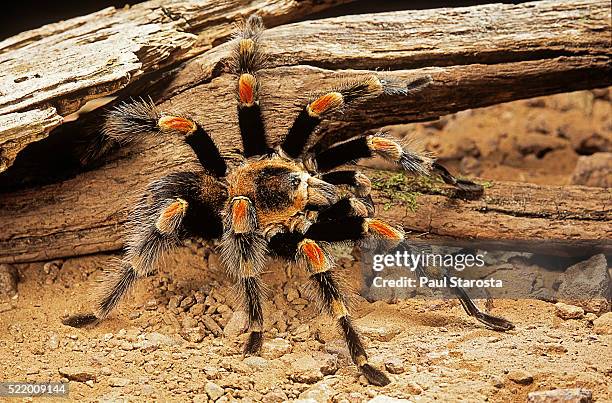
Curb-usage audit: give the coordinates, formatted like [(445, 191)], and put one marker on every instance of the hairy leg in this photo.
[(243, 252), (410, 157), (295, 247), (246, 60), (172, 208)]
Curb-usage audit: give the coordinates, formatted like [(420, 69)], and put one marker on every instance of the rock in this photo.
[(153, 341), (197, 310), (275, 396), (211, 325), (302, 333), (213, 390), (593, 170), (256, 362), (292, 294), (304, 368), (117, 382), (394, 365), (187, 303), (78, 374), (151, 304), (319, 393), (9, 277), (53, 342), (587, 284), (235, 325), (134, 315), (192, 334), (387, 399), (174, 302), (201, 398), (565, 311), (520, 376), (603, 324), (561, 396), (160, 339), (328, 363), (275, 348), (378, 327)]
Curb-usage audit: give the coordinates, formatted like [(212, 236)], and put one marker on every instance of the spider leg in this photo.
[(361, 184), (358, 229), (127, 122), (171, 209), (296, 247), (347, 207), (246, 59), (243, 251), (491, 321), (411, 159), (348, 93)]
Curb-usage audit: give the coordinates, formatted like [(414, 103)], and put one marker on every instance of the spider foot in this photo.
[(374, 376), (494, 322), (80, 320), (253, 344)]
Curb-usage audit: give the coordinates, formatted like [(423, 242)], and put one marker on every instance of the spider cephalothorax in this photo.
[(287, 200)]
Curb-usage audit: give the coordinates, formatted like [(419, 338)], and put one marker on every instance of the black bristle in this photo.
[(80, 320), (343, 153), (207, 152), (254, 343), (299, 133), (252, 131), (342, 229), (374, 376)]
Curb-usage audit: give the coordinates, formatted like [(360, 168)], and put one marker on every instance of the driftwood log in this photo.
[(477, 56)]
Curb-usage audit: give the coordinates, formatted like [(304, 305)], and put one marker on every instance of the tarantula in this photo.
[(288, 201)]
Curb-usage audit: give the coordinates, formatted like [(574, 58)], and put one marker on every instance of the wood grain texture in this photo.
[(476, 56), (66, 64), (559, 220)]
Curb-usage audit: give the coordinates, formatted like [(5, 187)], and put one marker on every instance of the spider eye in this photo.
[(295, 180)]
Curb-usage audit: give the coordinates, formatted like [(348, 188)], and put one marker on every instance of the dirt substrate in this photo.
[(178, 336)]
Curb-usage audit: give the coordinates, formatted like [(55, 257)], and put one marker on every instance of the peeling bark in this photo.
[(477, 56), (66, 64)]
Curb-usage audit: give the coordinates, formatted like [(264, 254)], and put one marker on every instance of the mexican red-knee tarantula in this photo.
[(286, 201)]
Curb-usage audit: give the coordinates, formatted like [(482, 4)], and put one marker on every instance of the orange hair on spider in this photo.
[(313, 253), (240, 216), (180, 124), (384, 229), (325, 103), (246, 89)]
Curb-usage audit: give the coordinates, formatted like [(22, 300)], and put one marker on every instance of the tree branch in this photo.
[(66, 64), (480, 56)]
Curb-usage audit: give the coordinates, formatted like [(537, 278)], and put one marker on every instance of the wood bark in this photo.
[(61, 66), (477, 56), (558, 220)]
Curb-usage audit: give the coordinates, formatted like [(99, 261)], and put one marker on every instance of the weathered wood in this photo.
[(510, 52), (31, 125), (63, 65), (545, 219)]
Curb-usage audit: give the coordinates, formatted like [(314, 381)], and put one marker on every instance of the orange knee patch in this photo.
[(246, 89), (314, 254), (171, 217), (176, 123), (246, 46), (388, 147), (240, 216), (325, 103), (385, 230)]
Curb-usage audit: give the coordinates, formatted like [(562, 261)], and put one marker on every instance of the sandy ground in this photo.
[(177, 336)]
